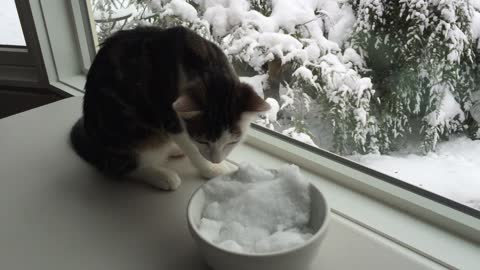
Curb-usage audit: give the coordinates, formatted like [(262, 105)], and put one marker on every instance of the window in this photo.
[(391, 86), (20, 62), (10, 28)]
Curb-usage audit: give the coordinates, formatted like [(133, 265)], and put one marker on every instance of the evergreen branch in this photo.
[(322, 14)]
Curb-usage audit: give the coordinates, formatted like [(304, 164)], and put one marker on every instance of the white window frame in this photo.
[(377, 202), (63, 35)]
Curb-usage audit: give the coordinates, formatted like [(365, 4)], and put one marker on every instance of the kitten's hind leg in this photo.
[(159, 177)]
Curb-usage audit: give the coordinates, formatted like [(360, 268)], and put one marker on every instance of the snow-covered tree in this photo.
[(285, 43), (113, 15), (421, 55), (308, 75)]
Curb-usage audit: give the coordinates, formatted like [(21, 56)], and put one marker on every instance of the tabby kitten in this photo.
[(152, 94)]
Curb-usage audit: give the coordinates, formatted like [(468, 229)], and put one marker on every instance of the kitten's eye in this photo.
[(202, 142)]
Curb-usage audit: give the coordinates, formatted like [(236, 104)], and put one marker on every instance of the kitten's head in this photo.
[(217, 113)]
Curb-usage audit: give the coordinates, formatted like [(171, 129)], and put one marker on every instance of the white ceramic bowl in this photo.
[(297, 258)]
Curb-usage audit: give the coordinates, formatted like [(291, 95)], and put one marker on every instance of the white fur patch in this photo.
[(157, 156), (152, 170)]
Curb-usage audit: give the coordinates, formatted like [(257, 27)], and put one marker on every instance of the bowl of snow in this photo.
[(258, 219)]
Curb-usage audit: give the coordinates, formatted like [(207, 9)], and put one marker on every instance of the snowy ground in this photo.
[(10, 28), (453, 171)]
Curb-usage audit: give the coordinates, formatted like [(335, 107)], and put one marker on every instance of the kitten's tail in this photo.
[(109, 162), (83, 145)]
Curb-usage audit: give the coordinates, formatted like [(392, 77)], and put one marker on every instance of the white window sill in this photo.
[(70, 86)]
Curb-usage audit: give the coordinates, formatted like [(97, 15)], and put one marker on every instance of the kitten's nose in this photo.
[(215, 157)]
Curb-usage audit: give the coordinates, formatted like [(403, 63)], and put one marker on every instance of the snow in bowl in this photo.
[(258, 219)]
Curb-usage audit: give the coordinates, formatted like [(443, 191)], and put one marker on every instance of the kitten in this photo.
[(157, 93)]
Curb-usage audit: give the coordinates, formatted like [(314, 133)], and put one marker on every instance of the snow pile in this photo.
[(181, 9), (257, 211), (223, 16), (343, 27), (452, 171), (341, 78), (257, 48), (447, 109), (476, 26), (258, 82), (476, 4), (258, 39), (299, 136), (304, 73), (352, 58), (274, 108)]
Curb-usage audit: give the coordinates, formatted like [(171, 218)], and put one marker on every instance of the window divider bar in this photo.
[(83, 32)]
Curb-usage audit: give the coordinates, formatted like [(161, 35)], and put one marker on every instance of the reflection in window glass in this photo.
[(10, 28), (393, 85)]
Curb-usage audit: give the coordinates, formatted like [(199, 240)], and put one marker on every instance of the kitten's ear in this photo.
[(186, 107), (252, 101)]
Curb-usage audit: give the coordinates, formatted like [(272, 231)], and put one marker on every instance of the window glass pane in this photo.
[(10, 28), (392, 85)]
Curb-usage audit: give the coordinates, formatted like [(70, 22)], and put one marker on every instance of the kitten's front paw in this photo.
[(215, 170), (171, 182), (160, 178)]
